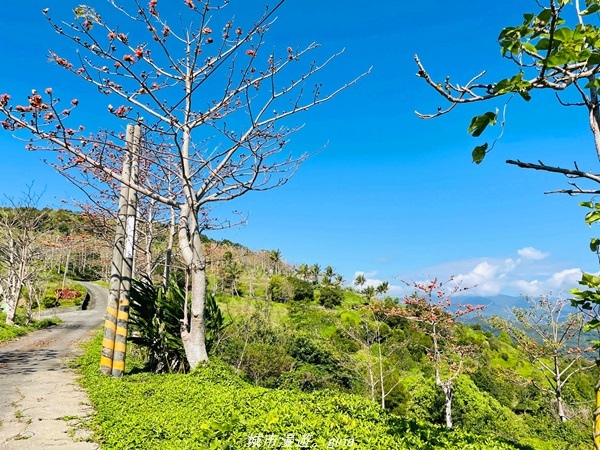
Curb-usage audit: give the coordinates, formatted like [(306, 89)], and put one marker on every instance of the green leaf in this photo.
[(560, 58), (545, 15), (595, 83), (543, 44), (479, 123), (594, 58), (530, 47), (594, 8), (503, 86), (594, 244), (591, 325), (584, 54), (563, 34), (592, 216), (587, 279), (479, 153)]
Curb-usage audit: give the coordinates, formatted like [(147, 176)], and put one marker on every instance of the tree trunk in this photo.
[(193, 332), (448, 394), (560, 405), (169, 252)]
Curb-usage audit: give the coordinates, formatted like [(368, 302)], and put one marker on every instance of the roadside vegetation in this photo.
[(8, 332), (295, 354), (298, 353)]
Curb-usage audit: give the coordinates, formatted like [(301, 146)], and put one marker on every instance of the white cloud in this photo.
[(522, 275), (558, 281), (528, 271), (532, 253)]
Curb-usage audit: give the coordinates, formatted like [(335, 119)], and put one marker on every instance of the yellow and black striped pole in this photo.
[(114, 343), (120, 350)]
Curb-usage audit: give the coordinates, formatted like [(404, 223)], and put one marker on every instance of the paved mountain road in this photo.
[(41, 404)]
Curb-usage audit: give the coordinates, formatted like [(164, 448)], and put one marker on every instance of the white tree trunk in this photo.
[(193, 332), (448, 394)]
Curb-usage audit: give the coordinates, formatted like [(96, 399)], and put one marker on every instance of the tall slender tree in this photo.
[(209, 97)]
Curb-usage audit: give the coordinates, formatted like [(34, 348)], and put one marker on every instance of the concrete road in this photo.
[(41, 404)]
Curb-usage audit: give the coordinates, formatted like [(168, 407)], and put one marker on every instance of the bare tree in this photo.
[(19, 249), (370, 332), (209, 99), (555, 349), (430, 310)]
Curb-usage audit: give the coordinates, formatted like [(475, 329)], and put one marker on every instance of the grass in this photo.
[(9, 332)]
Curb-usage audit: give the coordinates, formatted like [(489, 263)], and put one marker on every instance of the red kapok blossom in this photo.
[(139, 52), (206, 30), (48, 91), (74, 102), (4, 99), (121, 111), (36, 101), (128, 58), (63, 62), (238, 31), (251, 53)]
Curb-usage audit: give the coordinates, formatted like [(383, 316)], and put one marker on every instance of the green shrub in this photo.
[(50, 301), (263, 364), (303, 291), (330, 297), (280, 289), (155, 323)]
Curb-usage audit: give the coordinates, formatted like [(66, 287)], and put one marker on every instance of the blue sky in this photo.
[(391, 196)]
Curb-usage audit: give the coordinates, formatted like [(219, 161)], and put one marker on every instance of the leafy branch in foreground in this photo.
[(550, 53)]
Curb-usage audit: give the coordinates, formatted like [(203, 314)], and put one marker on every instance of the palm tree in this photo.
[(275, 257), (231, 274), (360, 280), (303, 271), (383, 288), (315, 271), (369, 292), (339, 280), (328, 275)]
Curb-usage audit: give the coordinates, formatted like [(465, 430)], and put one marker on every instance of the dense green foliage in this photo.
[(213, 408), (155, 314)]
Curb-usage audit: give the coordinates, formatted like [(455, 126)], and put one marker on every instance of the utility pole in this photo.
[(114, 343)]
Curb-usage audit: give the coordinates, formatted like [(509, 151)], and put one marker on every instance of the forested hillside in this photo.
[(375, 370)]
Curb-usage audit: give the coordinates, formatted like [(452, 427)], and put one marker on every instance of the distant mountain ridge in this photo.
[(497, 305)]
